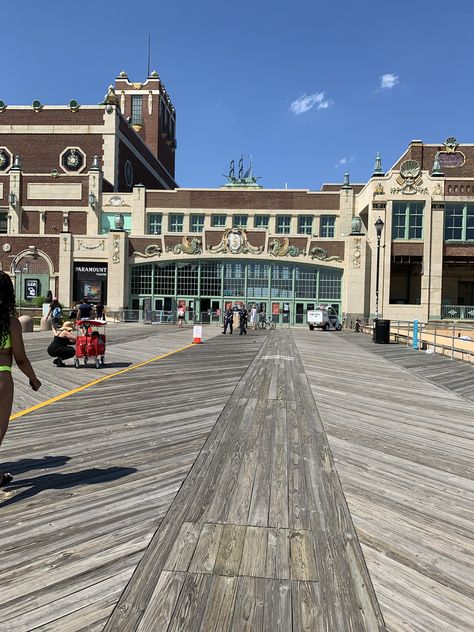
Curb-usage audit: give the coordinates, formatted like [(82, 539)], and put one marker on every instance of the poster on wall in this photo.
[(275, 309), (32, 289), (90, 281)]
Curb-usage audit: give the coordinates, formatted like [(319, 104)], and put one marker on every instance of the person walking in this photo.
[(55, 314), (99, 310), (181, 316), (11, 346), (243, 317), (253, 316), (59, 348), (228, 320)]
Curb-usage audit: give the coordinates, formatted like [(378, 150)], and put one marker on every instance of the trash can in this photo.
[(381, 333)]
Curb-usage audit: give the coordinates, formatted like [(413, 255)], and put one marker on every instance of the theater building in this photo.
[(89, 206)]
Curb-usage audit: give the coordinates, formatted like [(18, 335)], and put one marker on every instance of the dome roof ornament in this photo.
[(378, 170)]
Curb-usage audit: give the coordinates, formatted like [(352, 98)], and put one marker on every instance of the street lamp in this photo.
[(379, 228), (20, 271)]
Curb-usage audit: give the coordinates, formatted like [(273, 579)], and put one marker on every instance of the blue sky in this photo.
[(309, 88)]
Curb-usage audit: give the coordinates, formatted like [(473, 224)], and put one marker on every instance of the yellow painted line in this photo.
[(47, 402)]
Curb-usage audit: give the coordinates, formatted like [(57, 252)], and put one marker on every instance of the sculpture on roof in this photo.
[(246, 179), (110, 98)]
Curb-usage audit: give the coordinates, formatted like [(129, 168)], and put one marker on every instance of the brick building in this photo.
[(89, 205)]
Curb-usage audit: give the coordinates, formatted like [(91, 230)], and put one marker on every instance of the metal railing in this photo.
[(457, 312), (444, 338)]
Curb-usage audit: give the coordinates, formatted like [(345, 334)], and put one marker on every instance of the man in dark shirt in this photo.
[(84, 309), (228, 320), (243, 315)]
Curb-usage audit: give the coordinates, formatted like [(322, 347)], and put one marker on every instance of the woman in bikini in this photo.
[(11, 346)]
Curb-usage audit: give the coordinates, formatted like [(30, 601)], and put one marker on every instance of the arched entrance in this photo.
[(32, 276)]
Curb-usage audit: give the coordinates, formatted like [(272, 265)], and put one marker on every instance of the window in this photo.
[(282, 282), (187, 281), (165, 279), (283, 224), (197, 223), (175, 223), (261, 221), (327, 225), (218, 221), (258, 275), (407, 220), (305, 224), (240, 221), (459, 221), (329, 285), (137, 116), (211, 278), (107, 222), (140, 282), (154, 223), (3, 222), (234, 279), (306, 283)]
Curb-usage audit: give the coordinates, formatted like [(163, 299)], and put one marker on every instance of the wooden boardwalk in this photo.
[(199, 491), (404, 451), (259, 537)]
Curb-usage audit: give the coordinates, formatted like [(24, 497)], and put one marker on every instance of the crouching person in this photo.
[(60, 348)]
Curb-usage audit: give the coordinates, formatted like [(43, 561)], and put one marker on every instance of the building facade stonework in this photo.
[(89, 205)]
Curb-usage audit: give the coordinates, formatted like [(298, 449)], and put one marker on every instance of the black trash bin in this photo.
[(381, 331)]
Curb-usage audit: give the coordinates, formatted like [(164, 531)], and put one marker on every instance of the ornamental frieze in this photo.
[(235, 242), (319, 253), (283, 248), (153, 250), (187, 247)]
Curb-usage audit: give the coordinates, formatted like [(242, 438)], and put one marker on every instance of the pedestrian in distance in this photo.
[(228, 320), (60, 348), (99, 310), (181, 316), (243, 317), (84, 310), (253, 316), (55, 314), (11, 346)]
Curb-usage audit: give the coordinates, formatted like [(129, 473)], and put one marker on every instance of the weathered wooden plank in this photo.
[(231, 546), (205, 553), (277, 563), (249, 605), (162, 604), (254, 552)]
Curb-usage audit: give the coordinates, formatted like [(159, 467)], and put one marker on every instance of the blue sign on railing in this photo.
[(415, 335)]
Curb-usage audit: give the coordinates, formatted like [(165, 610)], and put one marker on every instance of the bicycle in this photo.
[(266, 323)]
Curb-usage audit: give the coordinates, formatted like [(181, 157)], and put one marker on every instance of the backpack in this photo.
[(56, 312)]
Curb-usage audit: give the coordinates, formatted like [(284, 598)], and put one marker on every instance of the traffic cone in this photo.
[(197, 335)]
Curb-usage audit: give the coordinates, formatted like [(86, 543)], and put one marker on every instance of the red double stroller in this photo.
[(91, 343)]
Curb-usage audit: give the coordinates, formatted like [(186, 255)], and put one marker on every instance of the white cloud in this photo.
[(307, 102), (388, 81), (344, 161)]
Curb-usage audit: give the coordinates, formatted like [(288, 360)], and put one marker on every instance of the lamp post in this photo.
[(379, 228), (20, 271)]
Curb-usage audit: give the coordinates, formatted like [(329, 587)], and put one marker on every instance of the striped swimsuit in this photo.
[(6, 345)]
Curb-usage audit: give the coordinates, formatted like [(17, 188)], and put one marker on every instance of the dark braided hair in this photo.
[(7, 306)]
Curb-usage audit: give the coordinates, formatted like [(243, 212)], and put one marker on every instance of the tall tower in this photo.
[(148, 108)]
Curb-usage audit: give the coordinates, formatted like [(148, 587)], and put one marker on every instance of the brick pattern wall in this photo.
[(53, 223), (78, 222), (458, 250), (213, 237), (40, 153), (245, 200), (12, 116), (458, 187), (414, 250), (30, 221), (256, 237), (49, 245)]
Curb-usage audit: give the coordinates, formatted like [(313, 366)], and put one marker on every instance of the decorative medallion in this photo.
[(150, 251), (450, 157), (74, 106), (5, 159), (186, 247), (319, 253), (37, 106), (438, 190), (379, 190), (282, 248), (129, 173), (410, 179), (451, 144), (73, 159), (6, 247), (235, 242)]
